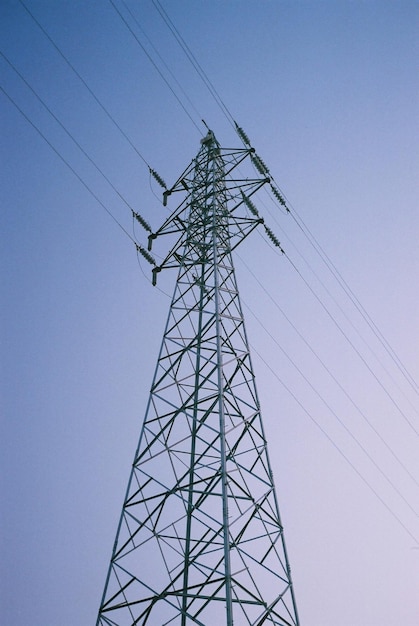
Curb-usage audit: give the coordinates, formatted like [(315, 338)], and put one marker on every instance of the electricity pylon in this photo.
[(200, 540)]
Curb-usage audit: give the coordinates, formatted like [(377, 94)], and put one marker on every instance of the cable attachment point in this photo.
[(166, 194), (145, 254), (273, 238), (158, 178), (142, 221), (155, 271), (245, 139), (150, 241)]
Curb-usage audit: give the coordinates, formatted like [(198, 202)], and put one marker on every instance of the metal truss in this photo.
[(200, 540)]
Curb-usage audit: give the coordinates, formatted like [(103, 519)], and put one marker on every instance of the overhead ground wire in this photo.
[(156, 66), (192, 59), (161, 59)]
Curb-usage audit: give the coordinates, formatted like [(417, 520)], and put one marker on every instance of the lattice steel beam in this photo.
[(200, 540)]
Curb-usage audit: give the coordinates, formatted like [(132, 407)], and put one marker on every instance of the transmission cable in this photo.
[(60, 156), (346, 288), (144, 224), (209, 86), (332, 268), (71, 66), (340, 280), (358, 409), (324, 432), (343, 312), (349, 293), (341, 422), (353, 346)]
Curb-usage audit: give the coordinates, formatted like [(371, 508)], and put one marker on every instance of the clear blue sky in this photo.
[(328, 93)]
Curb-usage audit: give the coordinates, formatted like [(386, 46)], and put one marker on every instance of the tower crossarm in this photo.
[(199, 197)]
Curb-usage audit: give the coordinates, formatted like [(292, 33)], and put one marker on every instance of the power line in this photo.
[(346, 288), (350, 294), (71, 137), (71, 66), (345, 315), (71, 168), (347, 395), (350, 342), (332, 268), (324, 432), (353, 347), (105, 111), (341, 422)]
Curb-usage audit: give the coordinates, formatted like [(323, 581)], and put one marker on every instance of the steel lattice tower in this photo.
[(200, 540)]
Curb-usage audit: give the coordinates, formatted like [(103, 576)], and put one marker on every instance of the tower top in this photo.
[(208, 139)]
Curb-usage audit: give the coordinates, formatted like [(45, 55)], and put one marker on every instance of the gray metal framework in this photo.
[(200, 540)]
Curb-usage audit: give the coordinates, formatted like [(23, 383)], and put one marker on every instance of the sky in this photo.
[(327, 92)]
